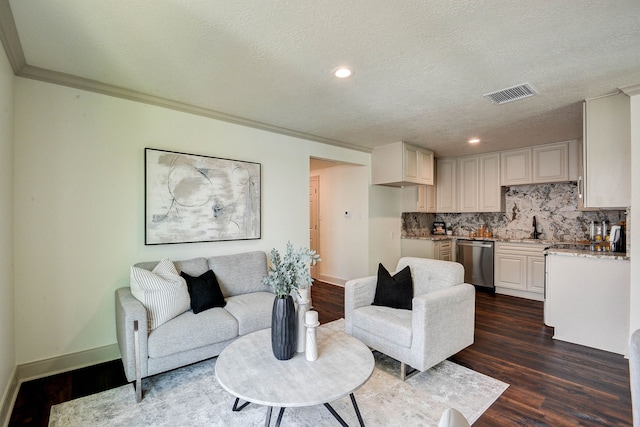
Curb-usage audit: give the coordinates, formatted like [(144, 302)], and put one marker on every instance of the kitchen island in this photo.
[(587, 297)]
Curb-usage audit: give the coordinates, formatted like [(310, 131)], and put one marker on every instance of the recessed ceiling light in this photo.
[(342, 72), (474, 140)]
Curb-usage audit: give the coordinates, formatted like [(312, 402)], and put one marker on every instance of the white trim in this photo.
[(331, 280), (631, 90), (67, 362), (520, 294), (63, 79), (9, 398)]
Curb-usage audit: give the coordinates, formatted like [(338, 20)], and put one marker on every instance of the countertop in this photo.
[(581, 248)]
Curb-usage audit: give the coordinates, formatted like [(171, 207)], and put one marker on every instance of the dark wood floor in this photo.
[(552, 383)]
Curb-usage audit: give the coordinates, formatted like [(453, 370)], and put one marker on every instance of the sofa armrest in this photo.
[(357, 293), (443, 323), (128, 310)]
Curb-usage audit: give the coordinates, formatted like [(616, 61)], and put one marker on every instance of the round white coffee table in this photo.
[(248, 370)]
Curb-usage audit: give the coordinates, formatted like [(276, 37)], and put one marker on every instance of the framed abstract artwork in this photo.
[(191, 198)]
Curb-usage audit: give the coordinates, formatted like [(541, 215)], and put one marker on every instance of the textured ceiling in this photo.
[(421, 67)]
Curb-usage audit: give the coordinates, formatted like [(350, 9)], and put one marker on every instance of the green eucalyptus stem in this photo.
[(291, 271)]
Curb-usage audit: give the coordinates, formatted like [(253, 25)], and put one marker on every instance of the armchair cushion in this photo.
[(394, 291), (387, 324), (204, 291)]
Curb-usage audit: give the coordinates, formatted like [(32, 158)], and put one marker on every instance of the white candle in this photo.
[(311, 317), (304, 294)]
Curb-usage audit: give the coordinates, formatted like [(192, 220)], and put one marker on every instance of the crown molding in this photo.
[(69, 80), (10, 39), (631, 90), (13, 48)]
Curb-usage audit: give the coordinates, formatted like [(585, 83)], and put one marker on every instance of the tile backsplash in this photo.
[(553, 205)]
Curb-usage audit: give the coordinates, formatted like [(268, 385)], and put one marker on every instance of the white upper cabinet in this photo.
[(401, 164), (539, 164), (446, 188), (468, 184), (515, 167), (606, 180), (419, 198), (490, 193), (550, 162)]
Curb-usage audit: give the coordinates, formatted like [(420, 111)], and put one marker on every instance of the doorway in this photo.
[(314, 219)]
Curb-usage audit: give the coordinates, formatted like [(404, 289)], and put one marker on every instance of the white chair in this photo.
[(440, 324), (453, 418)]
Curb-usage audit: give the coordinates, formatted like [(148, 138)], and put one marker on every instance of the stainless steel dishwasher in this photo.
[(477, 258)]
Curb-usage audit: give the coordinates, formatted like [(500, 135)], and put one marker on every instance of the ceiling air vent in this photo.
[(511, 94)]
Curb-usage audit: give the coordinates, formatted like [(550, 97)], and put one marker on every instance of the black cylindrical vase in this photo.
[(283, 328)]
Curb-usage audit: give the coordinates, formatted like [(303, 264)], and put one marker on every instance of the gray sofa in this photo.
[(190, 337)]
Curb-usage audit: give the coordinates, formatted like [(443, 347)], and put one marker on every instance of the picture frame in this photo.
[(192, 198)]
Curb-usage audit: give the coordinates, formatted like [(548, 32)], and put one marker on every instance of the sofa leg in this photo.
[(136, 347), (403, 371)]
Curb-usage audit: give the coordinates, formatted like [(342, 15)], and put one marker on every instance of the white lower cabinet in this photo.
[(588, 301), (519, 269), (443, 250), (422, 248)]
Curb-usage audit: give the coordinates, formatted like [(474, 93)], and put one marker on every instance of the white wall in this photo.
[(343, 240), (634, 321), (79, 203), (7, 342), (385, 223)]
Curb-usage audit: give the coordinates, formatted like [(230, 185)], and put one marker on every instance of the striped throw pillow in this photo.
[(162, 291)]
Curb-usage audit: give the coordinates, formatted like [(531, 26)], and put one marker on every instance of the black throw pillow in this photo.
[(394, 291), (204, 291)]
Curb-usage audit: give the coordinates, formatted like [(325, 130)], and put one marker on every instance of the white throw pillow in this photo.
[(162, 291)]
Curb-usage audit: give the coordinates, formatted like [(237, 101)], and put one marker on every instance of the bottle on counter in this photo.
[(604, 229), (592, 231)]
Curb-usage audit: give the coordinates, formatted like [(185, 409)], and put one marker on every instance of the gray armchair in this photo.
[(440, 324)]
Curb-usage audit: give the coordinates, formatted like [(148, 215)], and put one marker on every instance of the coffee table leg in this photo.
[(339, 418), (279, 420), (335, 414), (355, 406), (267, 422), (237, 408)]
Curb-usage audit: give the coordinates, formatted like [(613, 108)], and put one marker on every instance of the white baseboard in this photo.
[(331, 280), (9, 398), (520, 294), (67, 362)]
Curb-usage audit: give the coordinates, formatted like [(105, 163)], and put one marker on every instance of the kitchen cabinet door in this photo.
[(426, 198), (606, 180), (426, 165), (511, 271), (446, 193), (443, 250), (515, 167), (535, 274), (490, 197), (519, 269), (468, 184), (550, 162), (401, 164)]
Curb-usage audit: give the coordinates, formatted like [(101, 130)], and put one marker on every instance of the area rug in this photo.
[(191, 396)]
